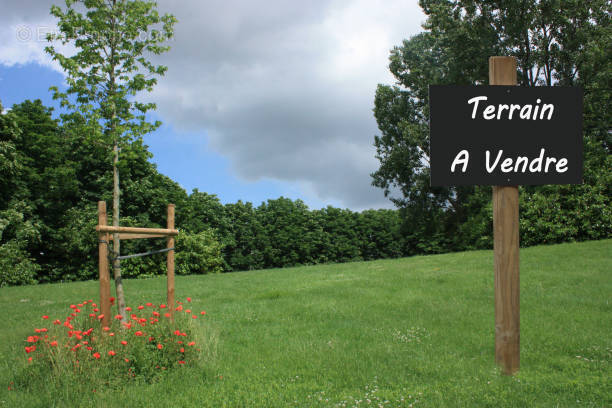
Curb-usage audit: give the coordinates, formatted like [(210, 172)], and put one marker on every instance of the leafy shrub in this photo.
[(17, 233), (16, 267), (198, 253)]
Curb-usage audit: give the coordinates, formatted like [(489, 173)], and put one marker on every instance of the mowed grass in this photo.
[(417, 331)]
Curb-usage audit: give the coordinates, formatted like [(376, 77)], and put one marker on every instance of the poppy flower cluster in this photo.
[(148, 336)]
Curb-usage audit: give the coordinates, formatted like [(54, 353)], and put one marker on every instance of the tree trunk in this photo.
[(116, 241), (113, 132)]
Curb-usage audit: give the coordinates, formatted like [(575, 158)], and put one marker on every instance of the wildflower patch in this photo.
[(148, 343)]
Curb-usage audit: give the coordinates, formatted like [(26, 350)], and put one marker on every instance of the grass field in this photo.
[(405, 332)]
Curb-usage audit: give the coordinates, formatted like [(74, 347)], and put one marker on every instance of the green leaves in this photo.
[(111, 65), (556, 42), (198, 253)]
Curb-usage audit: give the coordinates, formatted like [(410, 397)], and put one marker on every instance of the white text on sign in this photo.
[(525, 112)]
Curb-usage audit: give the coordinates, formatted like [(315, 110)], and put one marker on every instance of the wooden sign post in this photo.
[(502, 71), (510, 136)]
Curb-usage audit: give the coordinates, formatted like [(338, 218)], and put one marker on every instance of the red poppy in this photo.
[(162, 306), (53, 343), (96, 310), (129, 309), (149, 304), (159, 347), (30, 349), (181, 362), (156, 314), (194, 316), (192, 343), (57, 321), (138, 333), (202, 312), (182, 350), (126, 360), (179, 308), (106, 328), (167, 314), (111, 353), (45, 317), (118, 317), (188, 311), (32, 339), (101, 317), (112, 300), (124, 342), (89, 348), (96, 355), (140, 307), (73, 306), (189, 299), (111, 334)]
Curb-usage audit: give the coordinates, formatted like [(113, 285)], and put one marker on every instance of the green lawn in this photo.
[(386, 333)]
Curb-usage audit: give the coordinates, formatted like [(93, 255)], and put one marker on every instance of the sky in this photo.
[(258, 102)]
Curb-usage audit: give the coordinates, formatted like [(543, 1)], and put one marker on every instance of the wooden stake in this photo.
[(170, 260), (502, 71), (103, 238)]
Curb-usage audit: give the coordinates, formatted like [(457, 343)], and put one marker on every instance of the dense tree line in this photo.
[(51, 179)]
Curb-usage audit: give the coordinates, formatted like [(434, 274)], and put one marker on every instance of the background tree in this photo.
[(556, 42), (113, 39)]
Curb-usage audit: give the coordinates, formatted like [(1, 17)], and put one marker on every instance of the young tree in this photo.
[(113, 40)]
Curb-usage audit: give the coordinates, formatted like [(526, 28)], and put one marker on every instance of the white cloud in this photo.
[(284, 91)]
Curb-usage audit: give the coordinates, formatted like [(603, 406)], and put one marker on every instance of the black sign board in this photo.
[(505, 135)]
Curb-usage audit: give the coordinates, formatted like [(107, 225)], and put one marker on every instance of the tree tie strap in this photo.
[(117, 257), (158, 251)]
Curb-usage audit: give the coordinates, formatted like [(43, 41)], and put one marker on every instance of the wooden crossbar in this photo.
[(136, 230), (131, 235)]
